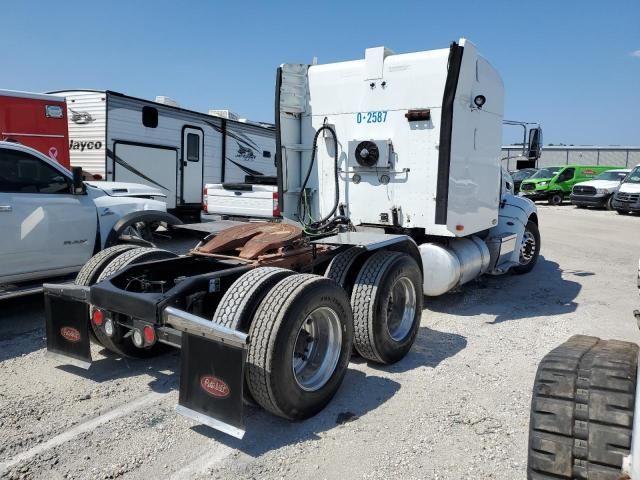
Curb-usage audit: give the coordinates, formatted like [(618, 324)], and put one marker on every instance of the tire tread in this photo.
[(582, 409)]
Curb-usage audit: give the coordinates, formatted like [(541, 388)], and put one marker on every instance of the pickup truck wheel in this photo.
[(582, 410), (608, 204), (142, 228), (118, 343), (301, 338), (555, 199), (387, 306), (90, 271), (344, 267), (529, 249)]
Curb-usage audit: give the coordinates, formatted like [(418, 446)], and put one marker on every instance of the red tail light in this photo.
[(98, 317), (204, 200), (149, 334), (276, 205)]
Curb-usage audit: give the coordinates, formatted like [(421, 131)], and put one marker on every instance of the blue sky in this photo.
[(568, 64)]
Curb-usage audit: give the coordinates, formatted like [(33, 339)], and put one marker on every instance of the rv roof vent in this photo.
[(166, 101), (228, 114)]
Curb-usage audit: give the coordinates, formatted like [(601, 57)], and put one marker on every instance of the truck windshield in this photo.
[(548, 172), (634, 176), (619, 176)]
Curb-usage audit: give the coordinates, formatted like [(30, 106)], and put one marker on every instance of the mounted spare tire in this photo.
[(300, 344), (118, 343), (582, 410)]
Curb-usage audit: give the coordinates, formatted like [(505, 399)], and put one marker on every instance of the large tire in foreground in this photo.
[(301, 338), (582, 410), (529, 249), (387, 306), (118, 343)]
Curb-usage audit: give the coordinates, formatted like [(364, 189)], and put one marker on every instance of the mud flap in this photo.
[(212, 362), (67, 324)]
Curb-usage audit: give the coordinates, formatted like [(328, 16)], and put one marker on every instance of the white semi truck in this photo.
[(390, 188)]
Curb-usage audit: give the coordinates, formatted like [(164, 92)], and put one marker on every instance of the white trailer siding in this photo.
[(111, 139), (125, 127), (248, 152), (87, 126)]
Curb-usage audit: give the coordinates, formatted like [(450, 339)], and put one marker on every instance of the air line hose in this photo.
[(327, 223)]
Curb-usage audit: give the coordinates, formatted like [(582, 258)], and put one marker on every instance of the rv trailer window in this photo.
[(150, 117), (266, 154), (193, 147)]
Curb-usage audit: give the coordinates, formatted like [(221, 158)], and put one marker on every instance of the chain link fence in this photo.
[(622, 157)]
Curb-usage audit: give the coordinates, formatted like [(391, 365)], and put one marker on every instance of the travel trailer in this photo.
[(126, 139)]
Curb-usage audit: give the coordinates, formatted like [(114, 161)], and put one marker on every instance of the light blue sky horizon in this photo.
[(574, 66)]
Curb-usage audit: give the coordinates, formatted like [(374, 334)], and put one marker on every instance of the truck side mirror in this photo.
[(78, 184), (535, 143)]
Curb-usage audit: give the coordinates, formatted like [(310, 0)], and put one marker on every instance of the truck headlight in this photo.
[(542, 184), (602, 191)]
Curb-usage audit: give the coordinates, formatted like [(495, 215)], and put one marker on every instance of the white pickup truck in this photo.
[(242, 200), (52, 222)]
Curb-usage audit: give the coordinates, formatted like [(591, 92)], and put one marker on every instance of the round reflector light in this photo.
[(98, 317), (149, 334)]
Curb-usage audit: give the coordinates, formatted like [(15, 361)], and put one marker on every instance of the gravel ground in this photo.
[(456, 407)]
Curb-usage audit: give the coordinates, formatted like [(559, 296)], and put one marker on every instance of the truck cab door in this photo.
[(46, 229), (191, 168)]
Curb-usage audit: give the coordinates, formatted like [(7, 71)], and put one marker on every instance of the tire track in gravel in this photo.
[(84, 427)]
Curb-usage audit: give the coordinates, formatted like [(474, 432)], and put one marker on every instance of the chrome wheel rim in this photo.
[(401, 309), (317, 349), (528, 248)]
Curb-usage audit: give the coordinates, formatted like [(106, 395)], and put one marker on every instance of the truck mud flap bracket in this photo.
[(67, 324), (212, 362)]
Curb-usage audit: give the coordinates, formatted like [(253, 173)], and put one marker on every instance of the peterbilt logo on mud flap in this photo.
[(214, 386), (70, 334), (245, 153)]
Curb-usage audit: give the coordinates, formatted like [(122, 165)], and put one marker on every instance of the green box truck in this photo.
[(555, 183)]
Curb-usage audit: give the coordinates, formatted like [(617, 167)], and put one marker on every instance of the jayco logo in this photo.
[(245, 153), (81, 118), (85, 145)]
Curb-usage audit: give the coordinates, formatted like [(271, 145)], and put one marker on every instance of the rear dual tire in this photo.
[(301, 337), (103, 265), (387, 306)]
